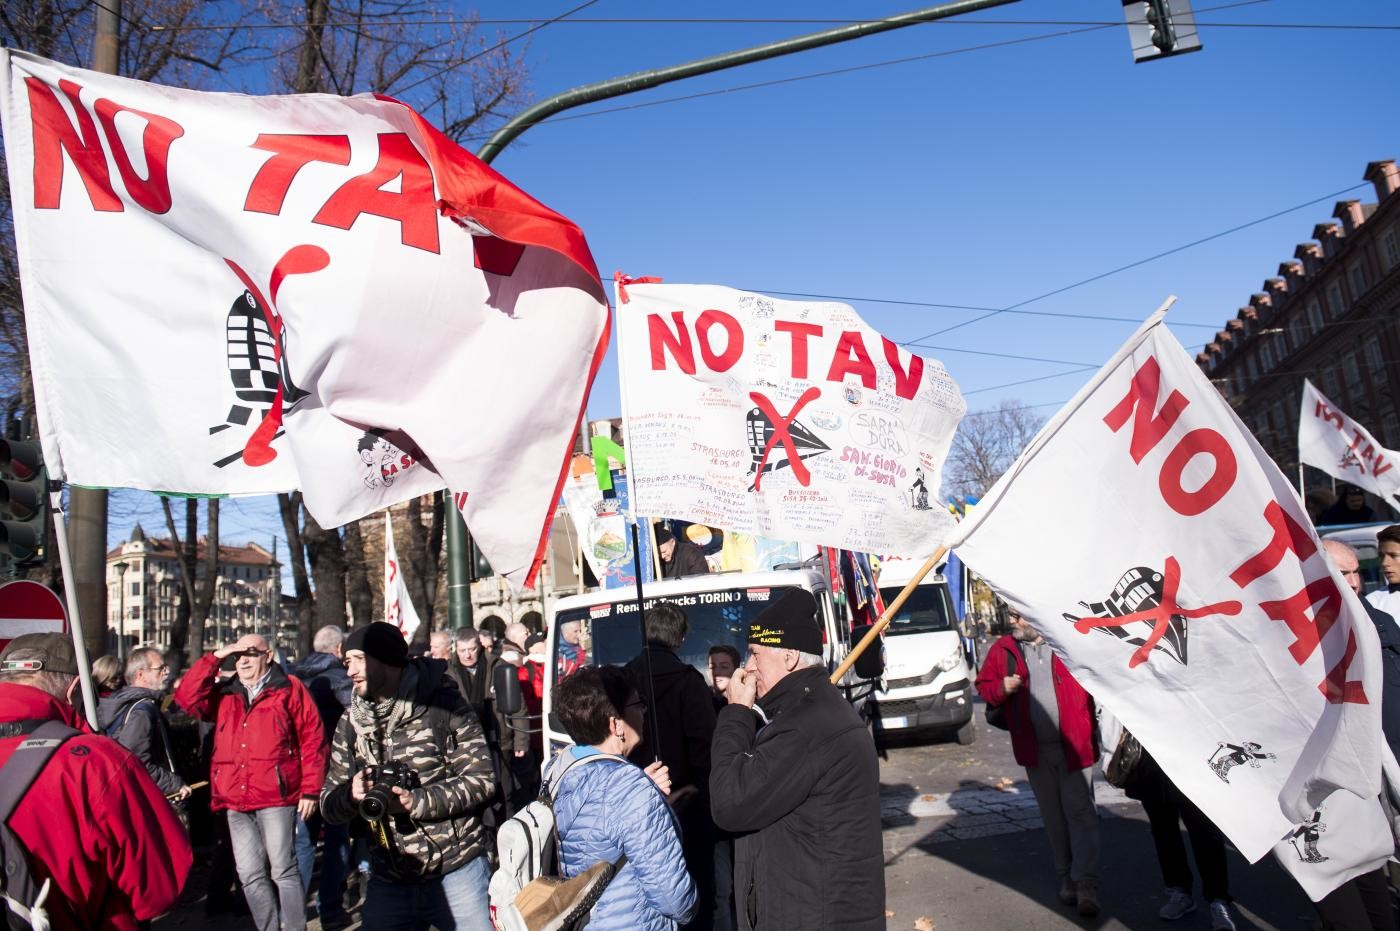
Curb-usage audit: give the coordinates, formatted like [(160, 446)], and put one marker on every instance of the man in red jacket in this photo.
[(1051, 719), (94, 823), (269, 763)]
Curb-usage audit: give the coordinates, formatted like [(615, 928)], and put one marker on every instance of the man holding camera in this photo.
[(408, 759), (268, 766)]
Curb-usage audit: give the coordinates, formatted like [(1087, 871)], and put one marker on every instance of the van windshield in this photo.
[(927, 609), (608, 633)]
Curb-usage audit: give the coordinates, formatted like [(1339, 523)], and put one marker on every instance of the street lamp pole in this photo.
[(458, 588), (121, 568)]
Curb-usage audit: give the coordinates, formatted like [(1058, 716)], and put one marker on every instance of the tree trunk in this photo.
[(308, 78), (326, 554), (290, 506), (184, 613), (357, 577), (180, 630), (204, 592)]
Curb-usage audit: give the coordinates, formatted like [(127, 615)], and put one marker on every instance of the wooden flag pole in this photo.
[(75, 627), (879, 626)]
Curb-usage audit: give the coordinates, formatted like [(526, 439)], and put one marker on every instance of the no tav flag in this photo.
[(1191, 597), (233, 295), (398, 606), (790, 420), (1331, 441)]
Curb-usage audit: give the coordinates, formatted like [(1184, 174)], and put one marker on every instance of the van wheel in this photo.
[(967, 733)]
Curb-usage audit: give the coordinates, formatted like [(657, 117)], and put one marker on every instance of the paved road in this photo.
[(964, 847)]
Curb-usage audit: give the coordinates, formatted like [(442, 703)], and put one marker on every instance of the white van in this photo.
[(927, 684), (718, 608)]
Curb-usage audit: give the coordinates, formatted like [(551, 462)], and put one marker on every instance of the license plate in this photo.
[(895, 722)]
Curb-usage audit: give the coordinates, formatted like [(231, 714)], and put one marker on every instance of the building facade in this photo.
[(144, 586), (1332, 316)]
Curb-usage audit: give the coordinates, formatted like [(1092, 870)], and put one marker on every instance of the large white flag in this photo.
[(1188, 592), (783, 419), (1341, 447), (240, 295), (398, 606)]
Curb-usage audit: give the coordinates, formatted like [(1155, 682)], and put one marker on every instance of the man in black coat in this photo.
[(685, 727), (793, 773), (679, 557)]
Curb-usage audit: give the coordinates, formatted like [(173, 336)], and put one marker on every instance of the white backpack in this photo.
[(527, 845)]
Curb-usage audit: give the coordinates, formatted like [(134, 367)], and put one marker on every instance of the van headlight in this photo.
[(951, 661)]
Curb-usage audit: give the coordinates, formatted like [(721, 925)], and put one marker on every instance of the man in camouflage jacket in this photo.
[(427, 851)]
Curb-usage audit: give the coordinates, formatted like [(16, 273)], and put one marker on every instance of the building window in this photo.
[(1390, 249), (1351, 375), (1335, 304), (1375, 362), (1315, 319), (135, 588), (1358, 279)]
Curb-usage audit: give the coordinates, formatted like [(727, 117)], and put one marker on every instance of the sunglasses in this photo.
[(251, 651)]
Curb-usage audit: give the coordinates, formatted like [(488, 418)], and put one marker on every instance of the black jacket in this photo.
[(802, 794), (132, 717), (688, 559), (325, 678), (1390, 674), (685, 718)]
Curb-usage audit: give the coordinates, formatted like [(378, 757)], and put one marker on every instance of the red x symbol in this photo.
[(1160, 616), (781, 426)]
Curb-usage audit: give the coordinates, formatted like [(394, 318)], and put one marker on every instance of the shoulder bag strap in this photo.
[(27, 761)]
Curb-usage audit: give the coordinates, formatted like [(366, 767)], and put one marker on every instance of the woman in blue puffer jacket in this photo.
[(605, 809)]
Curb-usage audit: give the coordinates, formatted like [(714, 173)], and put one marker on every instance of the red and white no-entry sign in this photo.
[(30, 608)]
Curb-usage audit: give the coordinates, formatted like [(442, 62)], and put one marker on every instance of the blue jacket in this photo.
[(605, 809)]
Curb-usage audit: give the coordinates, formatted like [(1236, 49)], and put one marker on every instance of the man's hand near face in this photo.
[(743, 688)]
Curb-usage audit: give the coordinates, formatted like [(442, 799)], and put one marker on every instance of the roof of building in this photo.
[(250, 554)]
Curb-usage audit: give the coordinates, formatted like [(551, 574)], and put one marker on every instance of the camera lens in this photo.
[(374, 804)]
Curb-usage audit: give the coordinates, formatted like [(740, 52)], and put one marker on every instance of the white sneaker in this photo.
[(1220, 919), (1179, 902)]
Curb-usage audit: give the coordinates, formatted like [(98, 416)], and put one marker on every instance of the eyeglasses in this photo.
[(251, 651), (161, 668)]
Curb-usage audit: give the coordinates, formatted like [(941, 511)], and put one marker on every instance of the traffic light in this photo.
[(23, 506), (1160, 28)]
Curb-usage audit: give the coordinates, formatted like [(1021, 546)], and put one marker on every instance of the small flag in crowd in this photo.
[(398, 606), (1331, 441)]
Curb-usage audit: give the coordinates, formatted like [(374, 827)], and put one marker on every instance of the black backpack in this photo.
[(26, 903)]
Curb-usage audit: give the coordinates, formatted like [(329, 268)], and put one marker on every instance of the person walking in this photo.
[(268, 765), (1051, 719), (794, 775)]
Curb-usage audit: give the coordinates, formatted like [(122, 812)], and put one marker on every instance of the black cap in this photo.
[(382, 641), (663, 536), (790, 623), (40, 653)]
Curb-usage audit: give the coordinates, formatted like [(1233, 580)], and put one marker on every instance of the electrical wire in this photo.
[(1140, 262)]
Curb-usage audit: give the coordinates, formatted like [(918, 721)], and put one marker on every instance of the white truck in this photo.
[(718, 607), (927, 683)]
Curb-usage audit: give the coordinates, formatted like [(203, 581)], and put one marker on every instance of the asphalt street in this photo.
[(964, 849)]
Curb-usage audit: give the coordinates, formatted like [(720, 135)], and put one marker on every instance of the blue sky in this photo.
[(980, 178)]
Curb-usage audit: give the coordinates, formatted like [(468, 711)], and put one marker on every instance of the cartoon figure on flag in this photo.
[(398, 607)]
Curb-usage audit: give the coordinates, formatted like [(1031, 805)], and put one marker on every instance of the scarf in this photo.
[(374, 719)]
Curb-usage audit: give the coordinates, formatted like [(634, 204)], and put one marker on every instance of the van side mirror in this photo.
[(871, 663), (505, 685)]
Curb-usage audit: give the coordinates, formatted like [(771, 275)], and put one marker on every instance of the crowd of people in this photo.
[(745, 798)]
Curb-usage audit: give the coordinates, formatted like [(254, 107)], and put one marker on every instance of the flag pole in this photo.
[(653, 731), (890, 610), (75, 627)]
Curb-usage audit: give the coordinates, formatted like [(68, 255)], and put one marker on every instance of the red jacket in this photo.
[(267, 754), (1076, 706), (96, 824)]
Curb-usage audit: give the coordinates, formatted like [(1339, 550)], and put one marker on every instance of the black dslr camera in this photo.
[(384, 778)]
